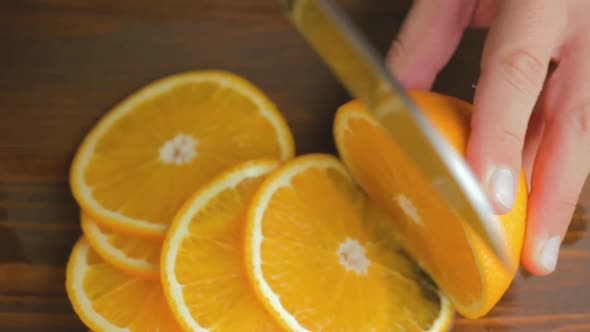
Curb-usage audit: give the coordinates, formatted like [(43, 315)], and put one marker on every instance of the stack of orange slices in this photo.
[(136, 168), (197, 216)]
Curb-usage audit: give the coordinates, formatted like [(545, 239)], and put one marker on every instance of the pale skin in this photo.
[(531, 103)]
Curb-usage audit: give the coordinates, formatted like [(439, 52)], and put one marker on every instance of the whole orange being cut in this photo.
[(458, 260)]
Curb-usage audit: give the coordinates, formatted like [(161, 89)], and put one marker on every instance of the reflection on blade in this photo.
[(362, 72)]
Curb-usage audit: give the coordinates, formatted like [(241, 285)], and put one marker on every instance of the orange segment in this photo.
[(322, 257), (132, 254), (202, 261), (455, 257), (107, 299), (150, 152)]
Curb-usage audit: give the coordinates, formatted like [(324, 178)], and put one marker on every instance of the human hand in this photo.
[(526, 115)]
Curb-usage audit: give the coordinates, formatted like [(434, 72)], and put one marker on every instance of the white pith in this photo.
[(101, 244), (352, 256), (409, 208), (179, 150)]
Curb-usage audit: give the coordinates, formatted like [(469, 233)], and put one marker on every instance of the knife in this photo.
[(363, 74)]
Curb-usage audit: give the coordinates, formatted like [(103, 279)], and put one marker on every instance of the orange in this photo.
[(108, 300), (134, 255), (458, 261), (322, 257), (202, 262), (151, 151)]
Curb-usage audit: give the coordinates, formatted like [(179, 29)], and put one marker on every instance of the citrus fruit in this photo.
[(453, 255), (149, 153), (202, 262), (322, 257), (107, 299), (134, 255)]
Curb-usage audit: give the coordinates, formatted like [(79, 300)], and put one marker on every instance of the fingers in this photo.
[(563, 160), (427, 39), (516, 56)]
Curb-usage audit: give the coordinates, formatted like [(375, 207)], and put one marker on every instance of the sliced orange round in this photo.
[(132, 254), (202, 262), (109, 300), (322, 257), (453, 255), (151, 151)]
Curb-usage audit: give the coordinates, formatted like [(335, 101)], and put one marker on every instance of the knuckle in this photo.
[(581, 121), (395, 54), (397, 48), (566, 205), (523, 71), (510, 137)]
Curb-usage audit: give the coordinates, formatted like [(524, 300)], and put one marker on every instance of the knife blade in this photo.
[(361, 71)]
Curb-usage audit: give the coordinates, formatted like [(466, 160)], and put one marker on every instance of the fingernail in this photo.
[(502, 186), (549, 252)]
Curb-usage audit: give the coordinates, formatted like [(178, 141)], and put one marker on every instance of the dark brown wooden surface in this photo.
[(63, 63)]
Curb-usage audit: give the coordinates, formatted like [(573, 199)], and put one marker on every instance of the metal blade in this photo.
[(362, 72)]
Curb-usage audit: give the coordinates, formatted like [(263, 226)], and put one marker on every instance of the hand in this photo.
[(526, 115)]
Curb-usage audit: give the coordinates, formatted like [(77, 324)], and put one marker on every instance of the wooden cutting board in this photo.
[(63, 63)]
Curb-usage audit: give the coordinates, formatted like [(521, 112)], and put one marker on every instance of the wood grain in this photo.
[(63, 63)]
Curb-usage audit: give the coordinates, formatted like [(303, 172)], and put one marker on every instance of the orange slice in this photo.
[(202, 262), (458, 261), (321, 257), (107, 299), (132, 254), (151, 151)]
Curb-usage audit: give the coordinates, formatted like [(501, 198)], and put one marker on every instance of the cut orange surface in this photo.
[(459, 262), (134, 255), (203, 271), (109, 300), (150, 152), (321, 257)]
